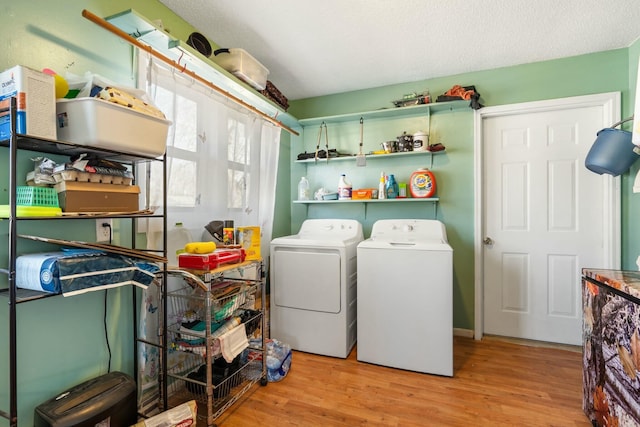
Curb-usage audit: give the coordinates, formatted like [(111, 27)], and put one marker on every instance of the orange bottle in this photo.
[(422, 184)]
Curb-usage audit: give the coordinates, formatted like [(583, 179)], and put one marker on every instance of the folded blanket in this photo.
[(72, 272)]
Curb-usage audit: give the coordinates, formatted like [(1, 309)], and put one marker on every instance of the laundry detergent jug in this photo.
[(422, 183)]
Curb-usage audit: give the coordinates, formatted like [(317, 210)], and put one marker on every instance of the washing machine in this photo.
[(313, 287), (405, 296)]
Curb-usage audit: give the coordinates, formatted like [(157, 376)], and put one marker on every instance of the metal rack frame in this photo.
[(198, 293), (16, 296)]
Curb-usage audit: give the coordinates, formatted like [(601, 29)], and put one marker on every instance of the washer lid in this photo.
[(409, 230), (406, 245)]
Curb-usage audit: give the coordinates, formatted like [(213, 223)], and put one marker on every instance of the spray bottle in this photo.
[(381, 187)]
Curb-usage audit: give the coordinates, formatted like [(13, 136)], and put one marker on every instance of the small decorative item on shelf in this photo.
[(271, 92), (413, 99), (458, 92), (435, 147), (200, 43)]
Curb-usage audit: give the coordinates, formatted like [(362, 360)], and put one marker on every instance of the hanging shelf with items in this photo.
[(366, 202), (389, 153), (388, 113), (430, 154), (396, 200), (146, 35), (424, 110)]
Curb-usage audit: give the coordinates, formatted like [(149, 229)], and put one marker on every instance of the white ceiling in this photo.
[(314, 48)]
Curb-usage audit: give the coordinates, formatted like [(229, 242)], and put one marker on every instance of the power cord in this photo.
[(106, 334), (106, 297)]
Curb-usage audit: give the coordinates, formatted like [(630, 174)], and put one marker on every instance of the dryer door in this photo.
[(307, 278)]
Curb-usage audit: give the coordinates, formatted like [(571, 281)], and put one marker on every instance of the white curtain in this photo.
[(222, 159), (222, 163)]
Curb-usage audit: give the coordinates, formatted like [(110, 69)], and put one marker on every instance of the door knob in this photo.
[(488, 241)]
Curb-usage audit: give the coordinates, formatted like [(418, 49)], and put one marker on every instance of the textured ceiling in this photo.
[(314, 48)]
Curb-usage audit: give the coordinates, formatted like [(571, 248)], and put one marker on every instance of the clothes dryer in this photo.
[(313, 287), (405, 296)]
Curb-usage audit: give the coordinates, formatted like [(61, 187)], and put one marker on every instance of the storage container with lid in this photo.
[(422, 183), (242, 65), (420, 141)]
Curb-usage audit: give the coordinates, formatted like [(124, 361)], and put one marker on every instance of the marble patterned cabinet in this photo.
[(611, 347)]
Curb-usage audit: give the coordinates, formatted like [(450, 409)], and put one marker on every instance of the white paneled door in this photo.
[(545, 218)]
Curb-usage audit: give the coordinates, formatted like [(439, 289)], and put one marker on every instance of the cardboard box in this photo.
[(362, 194), (249, 239), (36, 95), (76, 196), (98, 123)]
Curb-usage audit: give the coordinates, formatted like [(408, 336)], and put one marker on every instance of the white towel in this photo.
[(233, 342)]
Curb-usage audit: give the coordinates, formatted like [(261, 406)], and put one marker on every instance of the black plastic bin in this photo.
[(110, 398)]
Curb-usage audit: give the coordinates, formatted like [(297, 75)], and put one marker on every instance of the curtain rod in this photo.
[(123, 35)]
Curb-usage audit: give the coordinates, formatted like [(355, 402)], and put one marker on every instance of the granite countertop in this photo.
[(626, 282)]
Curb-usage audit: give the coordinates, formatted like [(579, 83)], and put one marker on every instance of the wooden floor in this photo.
[(495, 383)]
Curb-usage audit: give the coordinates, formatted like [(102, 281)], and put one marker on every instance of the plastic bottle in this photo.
[(303, 189), (391, 188), (344, 188), (177, 239), (381, 187)]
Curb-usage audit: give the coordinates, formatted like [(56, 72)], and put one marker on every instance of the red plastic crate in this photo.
[(212, 260)]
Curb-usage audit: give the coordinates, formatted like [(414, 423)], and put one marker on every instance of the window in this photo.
[(221, 159)]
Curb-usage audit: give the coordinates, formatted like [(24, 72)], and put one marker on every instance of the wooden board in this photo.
[(120, 250)]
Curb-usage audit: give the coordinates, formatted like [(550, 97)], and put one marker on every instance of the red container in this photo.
[(211, 261)]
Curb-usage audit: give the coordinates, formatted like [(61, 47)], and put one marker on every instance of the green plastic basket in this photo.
[(36, 196)]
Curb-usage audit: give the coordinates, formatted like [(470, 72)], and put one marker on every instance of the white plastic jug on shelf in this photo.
[(303, 189), (177, 238), (344, 188)]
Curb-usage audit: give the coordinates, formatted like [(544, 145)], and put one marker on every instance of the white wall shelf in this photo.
[(367, 202), (374, 156), (398, 200), (386, 113)]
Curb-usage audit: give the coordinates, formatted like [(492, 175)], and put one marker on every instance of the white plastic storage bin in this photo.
[(103, 124), (242, 65)]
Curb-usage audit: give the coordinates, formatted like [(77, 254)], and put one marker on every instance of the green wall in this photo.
[(587, 74), (630, 201), (61, 341)]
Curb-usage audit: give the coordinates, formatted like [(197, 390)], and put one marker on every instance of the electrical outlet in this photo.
[(104, 229)]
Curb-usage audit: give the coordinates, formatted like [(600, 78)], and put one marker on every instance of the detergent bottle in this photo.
[(344, 188), (422, 183), (303, 189), (382, 187), (391, 188)]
